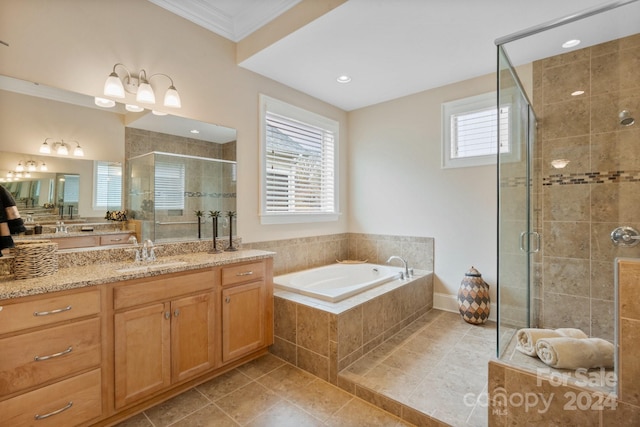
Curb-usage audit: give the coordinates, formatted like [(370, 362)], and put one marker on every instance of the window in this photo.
[(107, 193), (169, 185), (470, 131), (298, 164)]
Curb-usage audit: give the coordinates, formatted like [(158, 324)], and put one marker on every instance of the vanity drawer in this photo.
[(115, 239), (71, 402), (161, 288), (38, 357), (16, 315), (243, 273)]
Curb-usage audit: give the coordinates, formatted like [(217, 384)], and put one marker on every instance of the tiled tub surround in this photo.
[(571, 405), (596, 192), (323, 338), (307, 252)]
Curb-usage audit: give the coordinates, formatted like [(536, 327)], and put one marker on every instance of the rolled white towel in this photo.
[(528, 337), (574, 353)]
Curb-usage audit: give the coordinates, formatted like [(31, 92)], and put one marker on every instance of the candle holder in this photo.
[(214, 216), (199, 215), (231, 248)]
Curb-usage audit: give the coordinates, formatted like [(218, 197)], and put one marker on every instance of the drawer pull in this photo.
[(51, 356), (46, 313), (176, 313), (167, 315), (116, 240), (246, 273), (42, 417)]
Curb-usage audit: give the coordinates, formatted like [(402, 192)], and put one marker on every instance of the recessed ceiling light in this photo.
[(133, 108), (570, 43), (577, 93), (344, 79), (194, 131)]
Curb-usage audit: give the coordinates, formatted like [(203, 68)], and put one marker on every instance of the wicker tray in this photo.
[(35, 258)]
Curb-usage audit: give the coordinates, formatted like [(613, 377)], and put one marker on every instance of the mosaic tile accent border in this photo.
[(600, 177), (606, 177)]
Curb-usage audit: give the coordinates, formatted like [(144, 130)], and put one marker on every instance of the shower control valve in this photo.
[(625, 236)]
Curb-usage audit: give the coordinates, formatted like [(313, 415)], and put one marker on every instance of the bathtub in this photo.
[(336, 282)]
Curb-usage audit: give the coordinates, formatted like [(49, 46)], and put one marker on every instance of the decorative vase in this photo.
[(474, 302)]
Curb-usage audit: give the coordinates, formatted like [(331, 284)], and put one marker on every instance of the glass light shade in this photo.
[(43, 167), (62, 150), (27, 175), (78, 151), (31, 167), (172, 98), (104, 102), (45, 149), (133, 108), (145, 94), (18, 175), (20, 167), (113, 86)]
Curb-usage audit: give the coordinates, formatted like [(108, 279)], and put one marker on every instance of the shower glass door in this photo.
[(518, 242)]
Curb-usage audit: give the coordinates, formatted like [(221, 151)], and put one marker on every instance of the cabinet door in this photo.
[(192, 336), (142, 352), (243, 319)]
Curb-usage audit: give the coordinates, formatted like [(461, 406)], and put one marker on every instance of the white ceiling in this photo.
[(392, 48)]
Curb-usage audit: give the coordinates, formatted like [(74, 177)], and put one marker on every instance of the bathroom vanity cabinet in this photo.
[(98, 354), (51, 359), (245, 299), (164, 332)]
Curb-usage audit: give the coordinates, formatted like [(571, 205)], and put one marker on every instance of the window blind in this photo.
[(108, 185), (169, 185), (71, 191), (476, 133), (299, 166)]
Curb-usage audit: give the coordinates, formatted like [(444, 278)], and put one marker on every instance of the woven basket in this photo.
[(35, 258)]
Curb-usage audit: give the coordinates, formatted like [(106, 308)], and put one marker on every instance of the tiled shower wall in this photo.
[(308, 252), (578, 206)]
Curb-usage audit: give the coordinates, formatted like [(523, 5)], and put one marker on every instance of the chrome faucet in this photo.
[(148, 253), (406, 274)]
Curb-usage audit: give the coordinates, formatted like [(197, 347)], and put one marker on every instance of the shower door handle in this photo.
[(536, 239)]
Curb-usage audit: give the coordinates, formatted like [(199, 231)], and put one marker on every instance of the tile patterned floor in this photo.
[(265, 392), (437, 366)]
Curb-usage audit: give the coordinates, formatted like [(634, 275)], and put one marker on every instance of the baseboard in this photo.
[(449, 302)]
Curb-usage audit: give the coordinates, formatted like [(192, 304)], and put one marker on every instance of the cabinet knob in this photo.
[(177, 312), (167, 314), (227, 300)]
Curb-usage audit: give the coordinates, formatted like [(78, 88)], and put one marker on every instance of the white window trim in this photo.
[(288, 110), (471, 103)]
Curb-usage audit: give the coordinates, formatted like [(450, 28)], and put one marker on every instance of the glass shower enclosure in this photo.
[(570, 179), (166, 190)]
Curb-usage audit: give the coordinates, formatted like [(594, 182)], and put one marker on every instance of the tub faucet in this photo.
[(406, 274)]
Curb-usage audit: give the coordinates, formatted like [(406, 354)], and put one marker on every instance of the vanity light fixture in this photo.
[(133, 108), (115, 87), (104, 102), (60, 148)]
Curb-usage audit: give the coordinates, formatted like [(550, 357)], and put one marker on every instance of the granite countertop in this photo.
[(103, 273)]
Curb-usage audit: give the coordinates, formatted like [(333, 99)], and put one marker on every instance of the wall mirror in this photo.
[(30, 113)]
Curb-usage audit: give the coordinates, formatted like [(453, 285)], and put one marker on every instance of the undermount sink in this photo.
[(140, 268)]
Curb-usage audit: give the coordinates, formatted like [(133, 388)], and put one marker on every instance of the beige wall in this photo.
[(391, 179), (398, 187), (73, 45)]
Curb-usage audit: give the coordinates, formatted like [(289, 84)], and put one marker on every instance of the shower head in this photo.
[(625, 118)]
